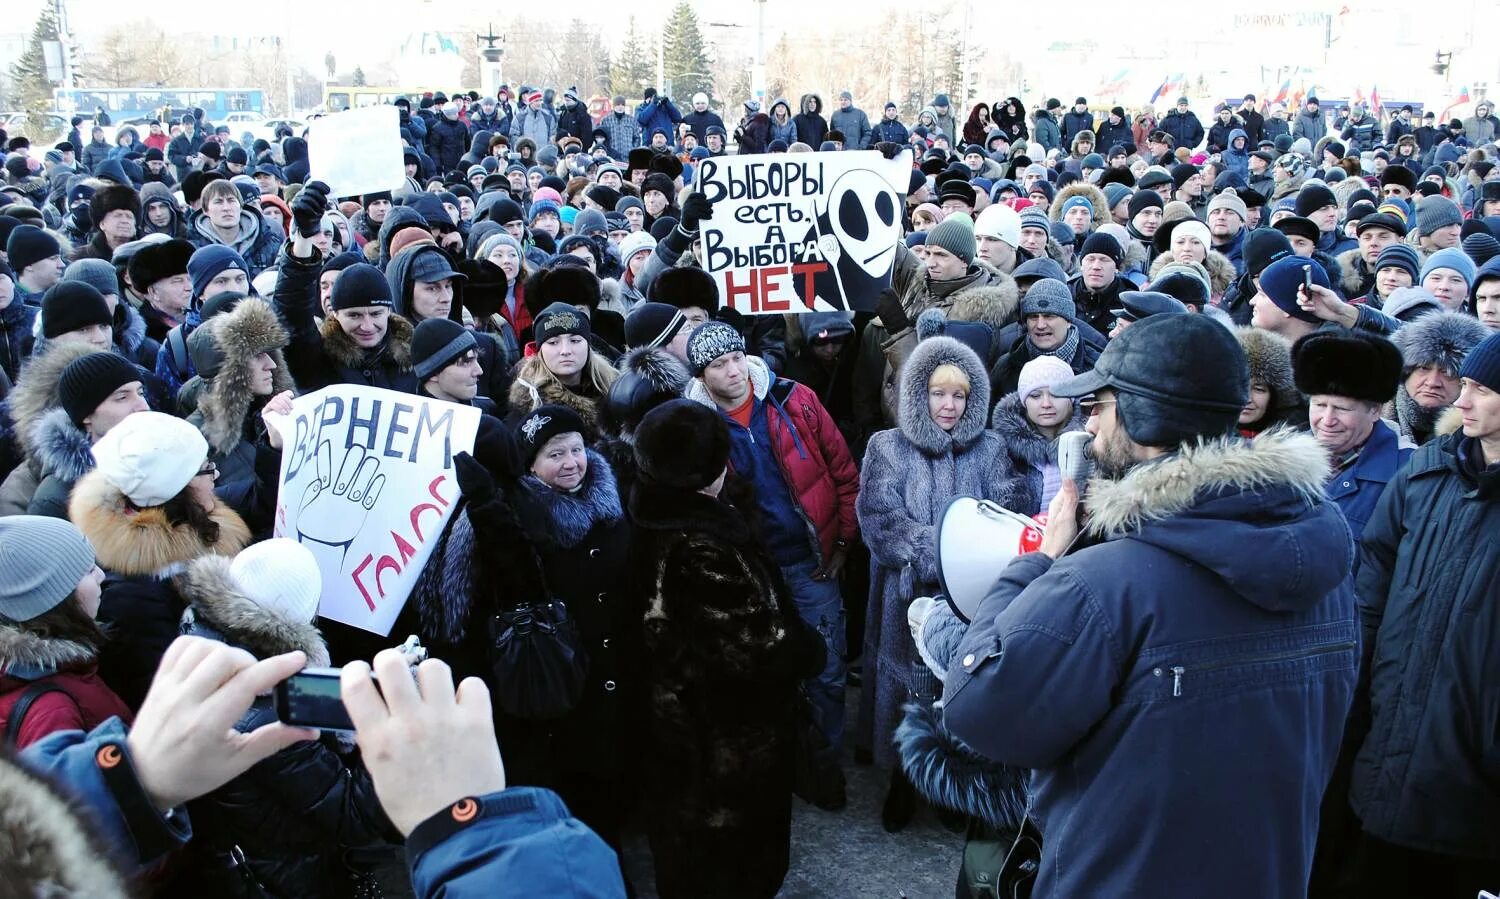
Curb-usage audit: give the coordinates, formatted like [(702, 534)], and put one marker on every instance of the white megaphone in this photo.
[(976, 539)]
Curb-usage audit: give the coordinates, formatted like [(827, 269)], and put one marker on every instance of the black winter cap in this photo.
[(70, 305), (361, 284), (89, 380), (1347, 363), (682, 444)]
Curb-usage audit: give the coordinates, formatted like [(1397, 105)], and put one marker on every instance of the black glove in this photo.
[(308, 208), (474, 481), (892, 314), (731, 317), (695, 209), (888, 149)]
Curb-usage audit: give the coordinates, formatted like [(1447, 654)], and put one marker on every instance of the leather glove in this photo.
[(308, 208), (474, 481), (892, 314), (695, 209), (731, 317)]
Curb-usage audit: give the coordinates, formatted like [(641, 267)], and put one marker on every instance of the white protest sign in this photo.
[(357, 151), (367, 484), (803, 232)]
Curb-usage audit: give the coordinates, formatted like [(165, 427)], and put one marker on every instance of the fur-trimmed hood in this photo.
[(1270, 358), (1351, 282), (912, 414), (36, 387), (250, 329), (1229, 505), (144, 542), (984, 294), (1094, 195), (1220, 270), (23, 648), (948, 773), (216, 603), (342, 349), (1023, 442), (537, 386), (61, 448), (47, 847), (568, 517), (761, 379)]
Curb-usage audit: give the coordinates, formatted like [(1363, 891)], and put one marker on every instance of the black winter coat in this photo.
[(1006, 373), (574, 121), (446, 142), (1427, 773)]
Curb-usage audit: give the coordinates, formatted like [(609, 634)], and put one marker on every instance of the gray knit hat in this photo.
[(1051, 297), (1437, 212), (956, 235), (42, 559), (96, 273)]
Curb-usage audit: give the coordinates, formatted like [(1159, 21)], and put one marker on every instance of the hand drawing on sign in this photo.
[(857, 233), (333, 509)]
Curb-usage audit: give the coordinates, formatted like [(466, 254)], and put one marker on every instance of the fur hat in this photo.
[(238, 336), (648, 378), (1354, 364), (112, 197), (567, 284), (1440, 338), (682, 444), (686, 286), (159, 261), (1270, 358)]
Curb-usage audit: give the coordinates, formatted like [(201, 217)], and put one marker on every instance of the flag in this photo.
[(1375, 101), (1161, 88), (1463, 97), (1359, 95), (1281, 94)]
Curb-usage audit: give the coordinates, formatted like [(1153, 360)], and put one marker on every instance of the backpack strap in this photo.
[(176, 346), (29, 696)]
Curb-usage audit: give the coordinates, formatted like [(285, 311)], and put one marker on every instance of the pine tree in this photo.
[(359, 77), (29, 82), (685, 57), (634, 69)]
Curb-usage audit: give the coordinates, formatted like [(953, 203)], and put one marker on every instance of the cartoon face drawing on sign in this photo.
[(857, 233)]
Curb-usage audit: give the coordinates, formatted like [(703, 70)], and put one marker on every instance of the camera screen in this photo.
[(313, 700)]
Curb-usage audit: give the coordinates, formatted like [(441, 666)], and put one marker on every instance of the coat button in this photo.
[(969, 660), (594, 553), (602, 596), (606, 643), (609, 686), (1346, 483)]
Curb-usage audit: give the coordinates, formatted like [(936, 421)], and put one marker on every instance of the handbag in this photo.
[(998, 864), (537, 659)]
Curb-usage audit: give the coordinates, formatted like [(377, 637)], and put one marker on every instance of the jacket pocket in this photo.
[(1215, 675)]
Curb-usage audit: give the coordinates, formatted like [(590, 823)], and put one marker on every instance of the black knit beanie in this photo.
[(70, 305), (361, 284), (89, 380)]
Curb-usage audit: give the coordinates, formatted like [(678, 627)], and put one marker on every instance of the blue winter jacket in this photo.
[(658, 113), (1358, 488), (1179, 685)]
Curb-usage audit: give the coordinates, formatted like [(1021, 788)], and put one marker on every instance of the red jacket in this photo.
[(85, 704)]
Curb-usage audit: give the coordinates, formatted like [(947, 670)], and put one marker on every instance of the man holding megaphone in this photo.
[(1179, 684)]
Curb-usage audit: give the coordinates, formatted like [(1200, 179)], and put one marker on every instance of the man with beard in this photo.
[(1196, 651)]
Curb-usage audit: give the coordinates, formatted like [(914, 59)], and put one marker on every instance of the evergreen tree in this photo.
[(359, 77), (634, 68), (29, 82), (685, 57)]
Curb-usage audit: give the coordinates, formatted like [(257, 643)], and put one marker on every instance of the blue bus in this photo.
[(132, 105)]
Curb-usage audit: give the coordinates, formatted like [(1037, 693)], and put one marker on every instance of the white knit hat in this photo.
[(1043, 371), (281, 576), (634, 243), (999, 221), (150, 457)]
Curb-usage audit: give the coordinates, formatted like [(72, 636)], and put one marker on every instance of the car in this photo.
[(37, 126)]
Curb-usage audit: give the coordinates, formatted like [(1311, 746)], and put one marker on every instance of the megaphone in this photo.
[(976, 539)]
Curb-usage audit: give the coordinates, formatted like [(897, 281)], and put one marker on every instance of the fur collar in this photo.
[(1090, 192), (986, 295), (342, 349), (761, 380), (680, 512), (36, 386), (143, 543), (240, 335), (22, 648), (61, 448), (1171, 484), (1351, 277), (1220, 270), (539, 387), (216, 601), (912, 412), (130, 337), (48, 850), (1022, 441), (570, 516)]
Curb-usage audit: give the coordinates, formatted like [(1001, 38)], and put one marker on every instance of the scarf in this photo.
[(1064, 351)]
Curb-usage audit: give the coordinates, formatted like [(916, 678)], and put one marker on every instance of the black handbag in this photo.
[(537, 659)]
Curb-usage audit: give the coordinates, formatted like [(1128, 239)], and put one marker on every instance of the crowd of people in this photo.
[(1250, 656)]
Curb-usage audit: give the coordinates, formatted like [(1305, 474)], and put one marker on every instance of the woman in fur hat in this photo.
[(1030, 421), (564, 371), (149, 508), (49, 641), (939, 451), (726, 651), (1274, 398), (292, 818)]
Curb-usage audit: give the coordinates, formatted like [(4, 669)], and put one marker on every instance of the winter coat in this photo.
[(535, 385), (318, 357), (228, 411), (855, 126), (537, 124), (1429, 593), (1219, 134), (446, 142), (975, 129), (889, 130), (1237, 158), (1005, 375), (700, 122), (1357, 489), (1074, 122), (753, 134), (1246, 686), (1362, 134), (809, 451), (63, 455), (1030, 453), (812, 128), (181, 148), (293, 814), (658, 112), (1110, 134), (16, 321), (154, 192), (785, 131), (33, 396), (623, 133), (1312, 126), (911, 473), (1273, 128), (493, 358), (28, 657), (1481, 131), (574, 121), (257, 241), (726, 650), (1047, 132), (139, 551), (1184, 127)]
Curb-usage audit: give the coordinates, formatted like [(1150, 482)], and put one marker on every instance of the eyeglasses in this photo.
[(1090, 407)]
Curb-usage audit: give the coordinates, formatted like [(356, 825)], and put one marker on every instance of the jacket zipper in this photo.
[(1178, 671)]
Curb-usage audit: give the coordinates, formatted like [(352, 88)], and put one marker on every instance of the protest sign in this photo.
[(357, 151), (367, 484), (803, 232)]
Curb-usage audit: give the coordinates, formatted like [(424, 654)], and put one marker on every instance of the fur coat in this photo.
[(226, 407), (1029, 451), (910, 475), (48, 846), (725, 653), (34, 395)]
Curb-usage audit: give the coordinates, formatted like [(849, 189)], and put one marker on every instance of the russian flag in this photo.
[(1161, 88), (1281, 95), (1463, 97)]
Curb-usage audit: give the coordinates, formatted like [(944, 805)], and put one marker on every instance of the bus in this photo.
[(134, 105), (338, 97)]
